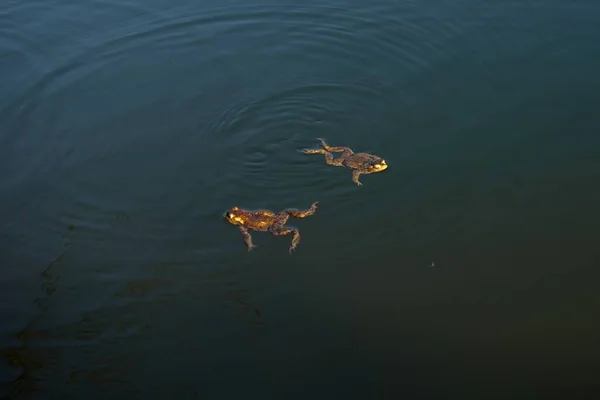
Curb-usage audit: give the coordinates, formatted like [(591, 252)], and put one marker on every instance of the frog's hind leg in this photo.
[(328, 156), (265, 213), (280, 231), (346, 151), (294, 212), (247, 238)]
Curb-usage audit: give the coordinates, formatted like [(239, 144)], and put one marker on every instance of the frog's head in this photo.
[(377, 165), (233, 216)]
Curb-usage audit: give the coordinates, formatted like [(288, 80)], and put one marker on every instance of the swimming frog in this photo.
[(267, 221), (360, 163)]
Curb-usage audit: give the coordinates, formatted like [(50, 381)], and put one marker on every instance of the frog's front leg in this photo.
[(355, 174), (247, 238), (279, 231)]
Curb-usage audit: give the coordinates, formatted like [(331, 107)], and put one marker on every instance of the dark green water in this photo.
[(127, 128)]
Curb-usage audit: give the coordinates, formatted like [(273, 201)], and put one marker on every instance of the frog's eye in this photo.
[(234, 208)]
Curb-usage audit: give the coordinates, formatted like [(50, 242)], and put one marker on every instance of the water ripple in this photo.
[(249, 122)]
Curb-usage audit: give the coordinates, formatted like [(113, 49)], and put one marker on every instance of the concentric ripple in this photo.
[(264, 136), (251, 84), (158, 106)]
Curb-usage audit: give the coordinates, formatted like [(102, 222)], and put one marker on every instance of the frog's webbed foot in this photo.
[(355, 175), (294, 212), (247, 238), (323, 143), (286, 231)]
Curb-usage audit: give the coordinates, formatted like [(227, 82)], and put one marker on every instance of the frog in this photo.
[(267, 221), (360, 163)]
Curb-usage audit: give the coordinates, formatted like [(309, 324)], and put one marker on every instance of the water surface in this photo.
[(128, 128)]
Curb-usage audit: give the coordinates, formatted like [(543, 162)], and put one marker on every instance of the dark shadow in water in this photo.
[(51, 279), (243, 310), (87, 352), (23, 357)]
